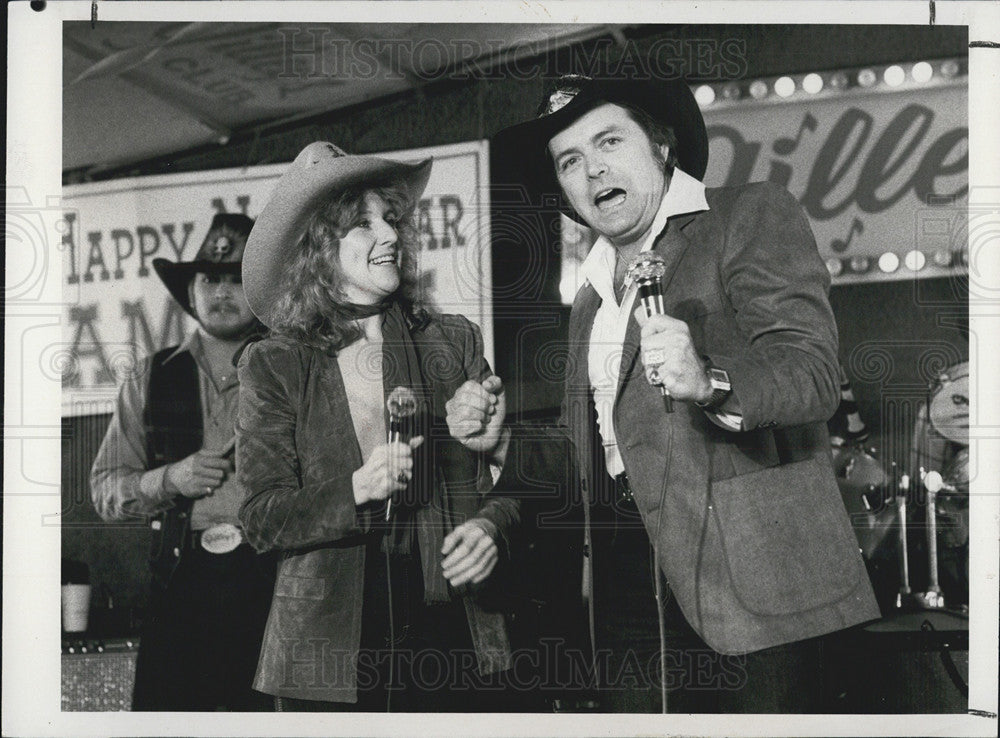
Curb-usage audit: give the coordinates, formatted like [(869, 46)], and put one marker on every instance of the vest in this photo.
[(173, 422)]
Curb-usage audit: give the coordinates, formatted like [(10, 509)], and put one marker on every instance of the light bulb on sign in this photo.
[(860, 264), (812, 83), (942, 257), (894, 75), (949, 68), (915, 260), (731, 92), (758, 89), (922, 72), (888, 262), (705, 95), (784, 86)]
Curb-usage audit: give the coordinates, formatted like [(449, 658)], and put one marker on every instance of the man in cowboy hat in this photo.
[(168, 457), (717, 545)]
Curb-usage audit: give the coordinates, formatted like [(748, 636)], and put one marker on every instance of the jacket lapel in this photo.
[(581, 325), (346, 453), (671, 245), (575, 407)]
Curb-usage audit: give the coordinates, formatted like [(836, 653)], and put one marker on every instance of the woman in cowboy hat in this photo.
[(383, 545)]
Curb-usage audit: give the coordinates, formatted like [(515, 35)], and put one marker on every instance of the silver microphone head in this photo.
[(402, 403), (647, 267)]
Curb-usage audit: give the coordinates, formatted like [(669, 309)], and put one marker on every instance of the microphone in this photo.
[(647, 270), (402, 406)]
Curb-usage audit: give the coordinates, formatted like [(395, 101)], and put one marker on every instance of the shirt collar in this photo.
[(684, 195), (191, 344)]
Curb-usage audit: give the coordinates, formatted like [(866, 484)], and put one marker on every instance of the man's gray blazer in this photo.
[(749, 527)]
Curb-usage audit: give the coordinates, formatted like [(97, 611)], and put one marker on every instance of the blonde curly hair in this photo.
[(312, 307)]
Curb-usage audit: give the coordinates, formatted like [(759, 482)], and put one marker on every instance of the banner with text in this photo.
[(871, 170), (118, 311)]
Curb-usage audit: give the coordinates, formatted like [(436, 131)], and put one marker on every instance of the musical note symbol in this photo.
[(784, 146), (841, 246)]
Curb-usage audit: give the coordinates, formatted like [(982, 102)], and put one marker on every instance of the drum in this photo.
[(948, 404), (867, 494)]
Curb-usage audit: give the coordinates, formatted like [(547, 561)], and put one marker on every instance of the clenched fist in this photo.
[(669, 357), (475, 414), (387, 470)]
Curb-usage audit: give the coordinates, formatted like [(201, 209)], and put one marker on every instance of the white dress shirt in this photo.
[(684, 195)]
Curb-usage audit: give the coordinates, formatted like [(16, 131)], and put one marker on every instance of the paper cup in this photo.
[(75, 606)]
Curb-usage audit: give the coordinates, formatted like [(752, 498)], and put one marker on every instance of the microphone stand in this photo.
[(904, 563), (933, 597)]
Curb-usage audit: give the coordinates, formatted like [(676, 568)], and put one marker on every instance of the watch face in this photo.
[(718, 375)]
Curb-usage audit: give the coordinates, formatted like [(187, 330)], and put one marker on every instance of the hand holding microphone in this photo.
[(386, 471), (668, 353), (647, 271), (402, 407), (389, 467)]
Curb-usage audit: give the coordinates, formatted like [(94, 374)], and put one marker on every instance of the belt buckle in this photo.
[(221, 538)]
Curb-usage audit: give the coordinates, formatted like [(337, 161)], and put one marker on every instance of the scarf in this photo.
[(421, 514)]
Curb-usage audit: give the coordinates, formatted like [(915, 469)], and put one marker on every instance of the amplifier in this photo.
[(98, 676)]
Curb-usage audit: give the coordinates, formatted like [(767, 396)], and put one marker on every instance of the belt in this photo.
[(218, 539)]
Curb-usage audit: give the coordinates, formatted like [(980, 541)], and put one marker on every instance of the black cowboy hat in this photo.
[(221, 253), (669, 102)]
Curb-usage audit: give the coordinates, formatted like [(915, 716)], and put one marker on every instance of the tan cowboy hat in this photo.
[(320, 170), (221, 253), (669, 101)]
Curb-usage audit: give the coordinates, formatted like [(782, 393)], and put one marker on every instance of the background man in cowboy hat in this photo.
[(721, 518), (168, 457)]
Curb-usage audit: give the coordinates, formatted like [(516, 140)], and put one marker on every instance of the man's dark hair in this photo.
[(658, 134)]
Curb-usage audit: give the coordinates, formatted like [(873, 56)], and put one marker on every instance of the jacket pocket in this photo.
[(786, 538), (740, 454), (304, 588)]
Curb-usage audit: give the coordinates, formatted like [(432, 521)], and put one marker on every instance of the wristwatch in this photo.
[(721, 386)]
